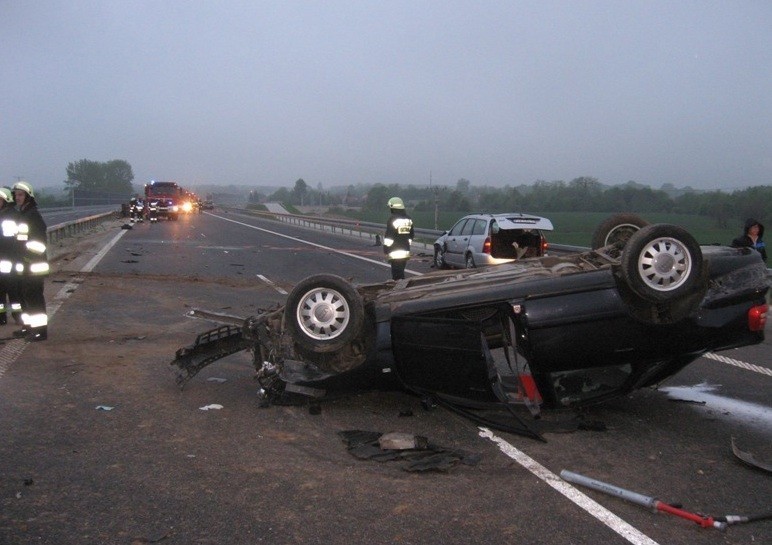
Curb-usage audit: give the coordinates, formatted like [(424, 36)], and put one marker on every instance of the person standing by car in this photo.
[(9, 281), (32, 238), (752, 238), (399, 235)]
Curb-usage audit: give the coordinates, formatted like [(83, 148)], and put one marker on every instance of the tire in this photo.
[(439, 259), (470, 261), (617, 229), (661, 263), (324, 313)]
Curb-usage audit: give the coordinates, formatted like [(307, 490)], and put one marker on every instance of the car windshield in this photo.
[(162, 189)]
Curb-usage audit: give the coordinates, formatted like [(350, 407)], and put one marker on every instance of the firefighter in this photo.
[(33, 264), (9, 281), (136, 209), (152, 211), (399, 235), (132, 208)]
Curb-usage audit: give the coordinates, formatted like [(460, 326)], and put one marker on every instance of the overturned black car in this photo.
[(550, 331)]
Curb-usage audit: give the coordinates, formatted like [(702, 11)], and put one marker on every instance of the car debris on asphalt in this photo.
[(417, 451)]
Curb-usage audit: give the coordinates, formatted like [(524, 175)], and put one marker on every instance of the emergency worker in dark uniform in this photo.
[(9, 256), (399, 235), (136, 209), (32, 238)]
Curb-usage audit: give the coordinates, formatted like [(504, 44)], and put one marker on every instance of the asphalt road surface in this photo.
[(100, 446)]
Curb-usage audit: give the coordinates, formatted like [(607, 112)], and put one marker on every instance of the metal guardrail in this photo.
[(55, 233)]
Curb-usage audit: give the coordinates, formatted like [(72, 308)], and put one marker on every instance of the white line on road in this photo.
[(373, 261), (13, 348), (274, 286), (624, 529), (738, 363)]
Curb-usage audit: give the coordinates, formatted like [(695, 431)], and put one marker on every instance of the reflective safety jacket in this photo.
[(10, 253), (31, 235), (399, 235)]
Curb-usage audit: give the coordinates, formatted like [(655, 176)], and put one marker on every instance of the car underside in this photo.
[(550, 331)]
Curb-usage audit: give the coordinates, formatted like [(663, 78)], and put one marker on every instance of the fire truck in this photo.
[(167, 195)]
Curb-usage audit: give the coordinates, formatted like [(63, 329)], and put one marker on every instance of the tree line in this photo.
[(112, 176), (584, 194), (580, 195)]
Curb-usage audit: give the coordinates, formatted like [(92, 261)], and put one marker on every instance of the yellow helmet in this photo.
[(396, 203), (6, 194), (24, 186)]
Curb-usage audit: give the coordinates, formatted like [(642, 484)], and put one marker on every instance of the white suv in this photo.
[(479, 240)]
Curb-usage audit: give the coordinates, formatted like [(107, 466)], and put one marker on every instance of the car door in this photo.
[(455, 243), (477, 236)]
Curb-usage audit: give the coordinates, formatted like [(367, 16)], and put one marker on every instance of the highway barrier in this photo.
[(75, 227)]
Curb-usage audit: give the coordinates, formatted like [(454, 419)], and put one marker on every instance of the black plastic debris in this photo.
[(417, 452)]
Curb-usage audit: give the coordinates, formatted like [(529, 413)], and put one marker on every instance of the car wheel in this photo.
[(617, 229), (324, 313), (439, 258), (470, 261), (661, 263)]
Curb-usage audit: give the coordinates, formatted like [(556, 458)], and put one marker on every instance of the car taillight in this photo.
[(544, 246), (487, 245), (757, 317)]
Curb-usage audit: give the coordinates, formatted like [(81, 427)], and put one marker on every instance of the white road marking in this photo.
[(274, 286), (624, 529), (13, 348), (738, 363), (373, 261)]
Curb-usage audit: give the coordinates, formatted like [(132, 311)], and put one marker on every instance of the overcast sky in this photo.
[(348, 92)]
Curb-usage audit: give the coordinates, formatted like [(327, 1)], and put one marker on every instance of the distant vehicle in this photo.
[(479, 240), (168, 196), (207, 204), (565, 331)]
